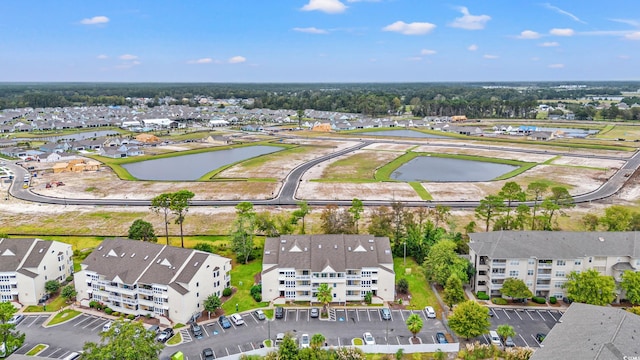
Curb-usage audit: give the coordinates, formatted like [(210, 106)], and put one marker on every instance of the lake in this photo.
[(194, 166), (437, 169)]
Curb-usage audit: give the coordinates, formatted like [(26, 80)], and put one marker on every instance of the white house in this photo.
[(293, 266), (140, 278), (27, 264)]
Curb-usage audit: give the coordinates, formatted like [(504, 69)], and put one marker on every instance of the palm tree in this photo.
[(414, 324), (317, 341), (504, 331), (324, 296)]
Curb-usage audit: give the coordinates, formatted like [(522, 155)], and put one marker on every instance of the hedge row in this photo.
[(482, 295), (539, 300)]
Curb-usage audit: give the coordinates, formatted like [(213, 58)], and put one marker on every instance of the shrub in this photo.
[(93, 304), (69, 278), (499, 301), (368, 297), (131, 317), (256, 292), (226, 292), (481, 295), (539, 300), (403, 286), (115, 313), (553, 300), (108, 311), (148, 316)]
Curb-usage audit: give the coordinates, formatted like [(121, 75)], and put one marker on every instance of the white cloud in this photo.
[(127, 57), (326, 6), (633, 23), (201, 61), (562, 32), (311, 30), (472, 47), (95, 20), (237, 60), (102, 57), (549, 44), (128, 65), (427, 52), (355, 1), (563, 12), (470, 22), (633, 36), (490, 57), (528, 34), (556, 66), (415, 28)]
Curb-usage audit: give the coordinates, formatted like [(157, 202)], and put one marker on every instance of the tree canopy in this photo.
[(142, 230), (590, 287), (8, 335), (125, 340), (515, 289), (444, 261), (631, 285), (414, 324), (469, 319)]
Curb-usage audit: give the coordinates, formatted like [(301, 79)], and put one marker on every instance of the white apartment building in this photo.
[(544, 259), (140, 278), (294, 266), (27, 264)]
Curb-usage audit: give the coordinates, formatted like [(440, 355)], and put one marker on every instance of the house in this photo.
[(55, 156), (294, 266), (540, 135), (592, 332), (543, 259), (140, 278), (27, 264), (76, 165)]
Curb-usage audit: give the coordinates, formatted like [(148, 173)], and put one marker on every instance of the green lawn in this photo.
[(56, 304), (175, 339), (63, 316), (421, 294), (242, 278), (36, 349)]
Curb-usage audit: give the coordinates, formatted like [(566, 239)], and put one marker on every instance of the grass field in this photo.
[(63, 316), (421, 294)]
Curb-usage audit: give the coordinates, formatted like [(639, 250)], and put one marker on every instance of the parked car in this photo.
[(164, 335), (385, 313), (314, 312), (279, 312), (196, 330), (431, 314), (154, 329), (279, 338), (107, 326), (508, 342), (540, 337), (259, 314), (304, 341), (44, 298), (207, 354), (237, 319), (16, 319), (368, 339), (224, 322), (490, 312), (441, 338)]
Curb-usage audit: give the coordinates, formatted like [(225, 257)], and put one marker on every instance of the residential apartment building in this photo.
[(27, 264), (294, 266), (544, 259), (140, 278)]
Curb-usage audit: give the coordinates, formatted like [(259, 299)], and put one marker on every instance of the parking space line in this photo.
[(398, 340), (240, 349), (205, 331), (506, 314), (534, 339), (529, 313), (55, 351), (525, 341), (297, 314), (495, 313), (100, 323), (539, 313), (486, 340), (369, 315), (402, 315), (227, 350), (433, 339), (82, 319), (358, 315), (214, 353), (91, 322), (34, 320), (516, 311)]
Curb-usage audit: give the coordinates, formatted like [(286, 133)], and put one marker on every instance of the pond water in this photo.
[(404, 133), (574, 133), (194, 166), (78, 136), (437, 169)]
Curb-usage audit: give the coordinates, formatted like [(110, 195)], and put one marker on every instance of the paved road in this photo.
[(287, 195)]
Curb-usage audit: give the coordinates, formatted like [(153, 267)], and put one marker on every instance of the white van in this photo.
[(495, 339), (72, 356)]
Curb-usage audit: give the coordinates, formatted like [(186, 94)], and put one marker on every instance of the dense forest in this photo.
[(475, 100)]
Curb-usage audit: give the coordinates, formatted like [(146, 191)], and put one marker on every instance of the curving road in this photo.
[(287, 193)]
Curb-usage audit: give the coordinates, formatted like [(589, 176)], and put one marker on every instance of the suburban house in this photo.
[(592, 332), (140, 278), (27, 264), (294, 266), (544, 259)]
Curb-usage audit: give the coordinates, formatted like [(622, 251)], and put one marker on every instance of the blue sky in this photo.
[(319, 40)]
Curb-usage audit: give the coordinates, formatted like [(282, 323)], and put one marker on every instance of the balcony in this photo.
[(144, 291), (542, 265), (303, 277), (498, 275), (544, 276), (543, 286), (121, 290)]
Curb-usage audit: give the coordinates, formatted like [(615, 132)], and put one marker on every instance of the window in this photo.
[(335, 285), (559, 284), (514, 262), (559, 273), (513, 273), (561, 263), (532, 262), (577, 262), (197, 284), (530, 272), (529, 283), (197, 294)]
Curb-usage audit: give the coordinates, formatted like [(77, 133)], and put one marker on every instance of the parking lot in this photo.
[(347, 325), (526, 323)]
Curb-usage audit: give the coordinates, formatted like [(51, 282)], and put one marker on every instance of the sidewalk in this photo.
[(559, 307)]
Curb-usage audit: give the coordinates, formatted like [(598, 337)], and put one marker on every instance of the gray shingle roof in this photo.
[(12, 251), (592, 332), (317, 252), (555, 244)]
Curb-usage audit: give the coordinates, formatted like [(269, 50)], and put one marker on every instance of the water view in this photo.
[(78, 136), (428, 168), (194, 166)]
